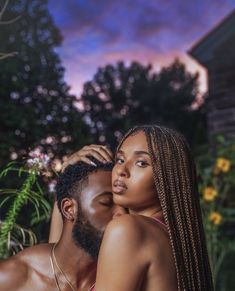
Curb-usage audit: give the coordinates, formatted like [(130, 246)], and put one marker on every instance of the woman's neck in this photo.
[(154, 210)]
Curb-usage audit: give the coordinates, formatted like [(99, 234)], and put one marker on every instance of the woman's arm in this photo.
[(121, 263), (56, 225)]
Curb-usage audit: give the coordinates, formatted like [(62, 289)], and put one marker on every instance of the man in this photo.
[(85, 201)]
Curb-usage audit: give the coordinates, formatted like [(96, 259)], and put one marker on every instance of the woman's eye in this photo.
[(119, 161), (142, 163)]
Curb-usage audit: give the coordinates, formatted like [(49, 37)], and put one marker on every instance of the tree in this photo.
[(121, 96), (35, 105)]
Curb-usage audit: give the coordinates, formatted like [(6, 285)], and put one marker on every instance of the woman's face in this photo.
[(132, 177)]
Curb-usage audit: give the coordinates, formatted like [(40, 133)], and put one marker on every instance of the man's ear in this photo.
[(69, 208)]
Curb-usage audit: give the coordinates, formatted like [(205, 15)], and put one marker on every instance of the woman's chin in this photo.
[(121, 200)]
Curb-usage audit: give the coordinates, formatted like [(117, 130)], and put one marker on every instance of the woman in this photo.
[(154, 177), (160, 245)]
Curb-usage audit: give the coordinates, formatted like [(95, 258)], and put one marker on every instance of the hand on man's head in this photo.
[(99, 152)]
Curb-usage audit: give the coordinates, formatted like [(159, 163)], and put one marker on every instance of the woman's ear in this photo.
[(69, 209)]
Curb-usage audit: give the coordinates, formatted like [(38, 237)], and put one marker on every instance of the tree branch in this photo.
[(3, 9), (6, 55), (10, 21), (6, 22)]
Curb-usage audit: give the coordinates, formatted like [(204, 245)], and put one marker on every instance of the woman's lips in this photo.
[(119, 187)]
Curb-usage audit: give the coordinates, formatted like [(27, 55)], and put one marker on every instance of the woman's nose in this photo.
[(118, 211), (122, 170)]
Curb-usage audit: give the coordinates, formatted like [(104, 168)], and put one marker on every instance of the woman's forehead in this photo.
[(135, 142)]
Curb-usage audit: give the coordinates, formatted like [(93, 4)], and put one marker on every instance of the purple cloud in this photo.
[(98, 32)]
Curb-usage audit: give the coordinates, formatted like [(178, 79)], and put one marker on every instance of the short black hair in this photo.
[(71, 182)]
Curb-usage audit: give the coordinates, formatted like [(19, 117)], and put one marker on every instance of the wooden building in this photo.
[(216, 52)]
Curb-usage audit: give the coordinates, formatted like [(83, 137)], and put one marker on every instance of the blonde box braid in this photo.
[(175, 181)]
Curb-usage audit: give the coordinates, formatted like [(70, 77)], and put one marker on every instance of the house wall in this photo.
[(221, 101)]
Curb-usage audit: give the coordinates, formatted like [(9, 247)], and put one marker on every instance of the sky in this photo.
[(100, 32)]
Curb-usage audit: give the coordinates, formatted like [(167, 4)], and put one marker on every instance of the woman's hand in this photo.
[(100, 152)]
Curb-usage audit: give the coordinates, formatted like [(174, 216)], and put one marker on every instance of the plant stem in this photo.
[(13, 212)]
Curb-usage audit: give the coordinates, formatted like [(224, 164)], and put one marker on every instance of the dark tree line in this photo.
[(121, 96)]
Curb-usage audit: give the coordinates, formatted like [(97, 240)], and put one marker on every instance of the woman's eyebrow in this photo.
[(135, 152), (141, 153)]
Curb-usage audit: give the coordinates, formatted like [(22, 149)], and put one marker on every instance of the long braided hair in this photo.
[(175, 181)]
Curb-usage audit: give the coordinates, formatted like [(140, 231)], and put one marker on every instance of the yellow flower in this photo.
[(209, 194), (215, 217), (223, 164)]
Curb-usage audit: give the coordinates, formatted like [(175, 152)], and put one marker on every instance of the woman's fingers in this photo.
[(102, 151), (99, 152), (106, 155), (108, 152), (88, 161), (70, 161)]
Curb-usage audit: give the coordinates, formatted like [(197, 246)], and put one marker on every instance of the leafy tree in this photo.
[(35, 104), (121, 96)]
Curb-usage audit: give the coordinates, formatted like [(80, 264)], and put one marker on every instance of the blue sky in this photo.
[(99, 32)]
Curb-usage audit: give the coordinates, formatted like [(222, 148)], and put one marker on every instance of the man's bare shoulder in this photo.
[(15, 270), (37, 250)]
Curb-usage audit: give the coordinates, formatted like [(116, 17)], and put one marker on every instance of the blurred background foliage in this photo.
[(37, 110), (217, 186)]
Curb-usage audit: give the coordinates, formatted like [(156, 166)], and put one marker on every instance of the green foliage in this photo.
[(12, 236), (35, 104), (217, 186), (121, 96)]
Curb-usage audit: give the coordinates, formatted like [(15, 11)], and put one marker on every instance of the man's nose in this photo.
[(118, 211)]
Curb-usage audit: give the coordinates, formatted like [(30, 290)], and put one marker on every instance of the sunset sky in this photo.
[(99, 32)]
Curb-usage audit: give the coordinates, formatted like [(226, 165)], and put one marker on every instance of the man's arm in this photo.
[(56, 225), (13, 274), (121, 263)]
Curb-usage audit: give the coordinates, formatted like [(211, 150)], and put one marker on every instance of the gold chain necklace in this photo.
[(53, 258), (54, 273)]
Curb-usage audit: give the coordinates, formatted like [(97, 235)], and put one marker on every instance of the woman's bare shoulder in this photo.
[(124, 227), (126, 222), (131, 227)]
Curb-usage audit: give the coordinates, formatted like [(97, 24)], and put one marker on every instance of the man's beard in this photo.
[(87, 236)]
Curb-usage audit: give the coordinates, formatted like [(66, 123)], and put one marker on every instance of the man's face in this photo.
[(95, 211)]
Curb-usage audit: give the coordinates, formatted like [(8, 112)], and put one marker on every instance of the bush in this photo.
[(216, 187)]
